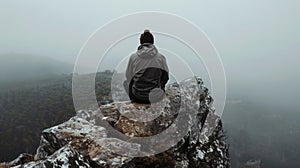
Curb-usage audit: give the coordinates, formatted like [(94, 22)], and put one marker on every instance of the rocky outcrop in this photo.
[(111, 136)]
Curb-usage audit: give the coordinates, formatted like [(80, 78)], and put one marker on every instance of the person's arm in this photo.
[(164, 78), (128, 75), (165, 72)]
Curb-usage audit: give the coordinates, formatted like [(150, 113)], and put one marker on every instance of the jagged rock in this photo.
[(58, 136), (86, 140), (22, 158), (66, 156)]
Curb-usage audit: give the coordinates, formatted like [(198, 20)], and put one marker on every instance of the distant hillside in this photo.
[(19, 67), (28, 108)]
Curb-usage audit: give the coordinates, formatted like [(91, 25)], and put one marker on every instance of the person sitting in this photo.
[(146, 73)]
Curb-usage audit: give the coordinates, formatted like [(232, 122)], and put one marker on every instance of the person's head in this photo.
[(146, 37)]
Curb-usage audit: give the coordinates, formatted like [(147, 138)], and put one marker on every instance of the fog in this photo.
[(258, 41)]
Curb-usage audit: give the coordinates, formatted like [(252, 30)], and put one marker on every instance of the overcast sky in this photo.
[(258, 40)]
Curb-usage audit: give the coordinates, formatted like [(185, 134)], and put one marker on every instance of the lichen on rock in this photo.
[(87, 140)]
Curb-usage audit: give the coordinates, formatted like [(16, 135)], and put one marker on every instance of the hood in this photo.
[(146, 50)]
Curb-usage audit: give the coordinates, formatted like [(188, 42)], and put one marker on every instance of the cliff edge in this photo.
[(86, 140)]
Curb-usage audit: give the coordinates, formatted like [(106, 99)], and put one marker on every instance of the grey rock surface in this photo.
[(85, 140)]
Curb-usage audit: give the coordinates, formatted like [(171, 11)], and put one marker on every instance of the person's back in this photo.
[(146, 73)]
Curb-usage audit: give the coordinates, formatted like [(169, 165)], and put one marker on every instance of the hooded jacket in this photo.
[(146, 75)]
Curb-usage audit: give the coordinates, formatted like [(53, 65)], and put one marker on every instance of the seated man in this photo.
[(146, 73)]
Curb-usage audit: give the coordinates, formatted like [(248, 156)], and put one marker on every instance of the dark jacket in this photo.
[(146, 75)]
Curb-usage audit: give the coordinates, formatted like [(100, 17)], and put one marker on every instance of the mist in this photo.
[(257, 41)]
